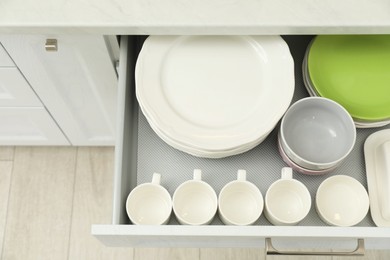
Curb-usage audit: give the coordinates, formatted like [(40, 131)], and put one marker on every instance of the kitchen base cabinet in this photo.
[(29, 126), (140, 152), (5, 59), (15, 90), (74, 76), (23, 118)]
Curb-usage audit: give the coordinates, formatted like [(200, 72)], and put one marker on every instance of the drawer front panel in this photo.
[(5, 60), (15, 91), (140, 153), (77, 83), (241, 236), (29, 126)]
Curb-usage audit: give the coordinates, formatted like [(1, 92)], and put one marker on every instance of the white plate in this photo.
[(377, 158), (203, 153), (215, 93)]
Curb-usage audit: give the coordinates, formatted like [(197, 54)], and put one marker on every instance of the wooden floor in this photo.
[(50, 196)]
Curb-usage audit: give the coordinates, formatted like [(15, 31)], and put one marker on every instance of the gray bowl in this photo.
[(317, 133)]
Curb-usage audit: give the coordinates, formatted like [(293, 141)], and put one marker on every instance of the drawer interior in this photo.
[(263, 163), (140, 152)]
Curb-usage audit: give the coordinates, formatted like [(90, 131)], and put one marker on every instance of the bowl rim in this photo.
[(357, 186), (299, 168), (312, 165)]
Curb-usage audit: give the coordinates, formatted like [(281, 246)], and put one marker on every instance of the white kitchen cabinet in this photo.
[(5, 59), (29, 126), (77, 82), (139, 153), (15, 90), (24, 119)]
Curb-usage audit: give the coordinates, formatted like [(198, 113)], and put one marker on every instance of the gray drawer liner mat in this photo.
[(263, 163)]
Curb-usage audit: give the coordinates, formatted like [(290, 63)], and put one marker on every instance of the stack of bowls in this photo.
[(316, 135), (352, 70), (214, 96)]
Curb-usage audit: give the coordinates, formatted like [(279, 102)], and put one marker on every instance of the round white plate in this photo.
[(203, 153), (215, 93)]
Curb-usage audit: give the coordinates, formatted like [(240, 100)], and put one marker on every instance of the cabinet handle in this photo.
[(358, 251), (51, 45)]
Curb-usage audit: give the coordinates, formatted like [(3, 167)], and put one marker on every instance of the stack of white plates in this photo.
[(214, 96)]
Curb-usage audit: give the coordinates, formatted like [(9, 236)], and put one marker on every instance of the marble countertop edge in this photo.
[(190, 29)]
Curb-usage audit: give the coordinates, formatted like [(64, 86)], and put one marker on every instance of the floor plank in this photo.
[(93, 204), (298, 257), (5, 181), (6, 153), (40, 203), (369, 254), (231, 253), (166, 253)]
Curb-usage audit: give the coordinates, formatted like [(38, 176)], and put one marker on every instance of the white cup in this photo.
[(149, 203), (287, 201), (195, 202), (240, 202)]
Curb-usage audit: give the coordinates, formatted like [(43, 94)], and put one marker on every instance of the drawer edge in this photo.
[(126, 141), (236, 236)]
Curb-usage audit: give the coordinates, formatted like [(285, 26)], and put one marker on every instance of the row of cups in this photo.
[(240, 202)]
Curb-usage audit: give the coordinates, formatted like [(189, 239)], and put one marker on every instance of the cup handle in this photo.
[(156, 179), (197, 175), (241, 175), (287, 173)]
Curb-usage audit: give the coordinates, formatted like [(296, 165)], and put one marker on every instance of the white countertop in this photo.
[(195, 16)]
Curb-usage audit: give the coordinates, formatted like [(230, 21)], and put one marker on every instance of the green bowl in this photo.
[(353, 70)]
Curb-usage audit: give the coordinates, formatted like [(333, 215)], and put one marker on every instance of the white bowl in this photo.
[(299, 168), (342, 201), (317, 133)]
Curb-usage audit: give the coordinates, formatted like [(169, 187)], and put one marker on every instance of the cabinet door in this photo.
[(14, 89), (76, 83), (5, 60), (29, 126)]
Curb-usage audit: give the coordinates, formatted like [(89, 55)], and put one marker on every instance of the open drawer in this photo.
[(140, 152)]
